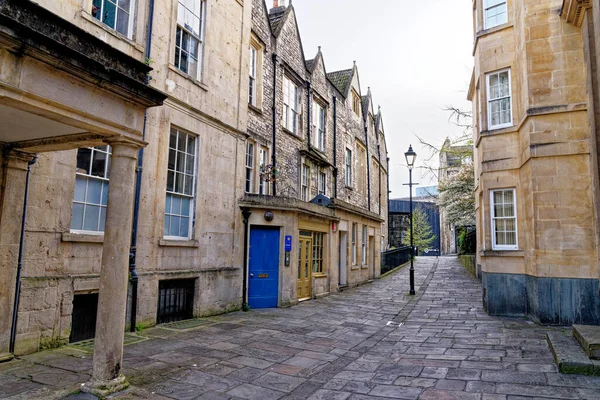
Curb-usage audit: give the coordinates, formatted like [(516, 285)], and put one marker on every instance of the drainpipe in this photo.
[(138, 186), (388, 201), (379, 180), (246, 213), (13, 330), (335, 169), (274, 123), (368, 165), (308, 102)]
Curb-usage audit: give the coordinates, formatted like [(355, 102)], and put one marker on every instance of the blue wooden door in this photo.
[(264, 267)]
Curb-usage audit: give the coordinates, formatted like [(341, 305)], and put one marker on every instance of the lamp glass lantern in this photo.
[(411, 156)]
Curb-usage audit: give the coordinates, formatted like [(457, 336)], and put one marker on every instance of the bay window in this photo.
[(499, 99), (504, 219)]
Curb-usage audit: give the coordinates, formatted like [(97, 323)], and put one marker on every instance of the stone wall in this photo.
[(549, 156)]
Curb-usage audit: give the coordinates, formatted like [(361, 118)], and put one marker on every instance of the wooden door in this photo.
[(304, 268)]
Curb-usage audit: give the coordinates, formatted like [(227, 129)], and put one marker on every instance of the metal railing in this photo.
[(394, 258)]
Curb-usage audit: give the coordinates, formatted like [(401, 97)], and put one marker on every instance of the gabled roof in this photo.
[(341, 79), (310, 65), (275, 17), (365, 106)]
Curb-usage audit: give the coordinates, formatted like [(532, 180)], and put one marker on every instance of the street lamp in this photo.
[(410, 161)]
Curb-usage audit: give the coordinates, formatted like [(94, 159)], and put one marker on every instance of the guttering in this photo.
[(13, 329), (246, 213), (274, 112), (138, 187), (368, 166), (335, 169), (388, 203), (309, 104), (379, 179)]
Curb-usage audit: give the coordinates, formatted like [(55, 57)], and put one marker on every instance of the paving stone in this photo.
[(324, 394), (514, 377), (248, 391), (445, 384), (251, 362), (396, 392), (415, 382), (284, 383), (434, 394), (464, 374), (436, 373), (178, 390)]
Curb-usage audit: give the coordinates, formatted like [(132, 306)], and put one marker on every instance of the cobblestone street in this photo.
[(369, 342)]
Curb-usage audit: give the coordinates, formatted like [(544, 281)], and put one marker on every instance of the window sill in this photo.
[(136, 46), (179, 243), (349, 187), (502, 253), (365, 267), (195, 81), (355, 267), (76, 237), (319, 275), (255, 109)]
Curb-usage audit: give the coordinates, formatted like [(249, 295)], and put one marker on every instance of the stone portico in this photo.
[(62, 88)]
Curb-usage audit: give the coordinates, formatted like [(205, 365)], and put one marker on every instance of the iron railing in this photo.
[(175, 300), (394, 258)]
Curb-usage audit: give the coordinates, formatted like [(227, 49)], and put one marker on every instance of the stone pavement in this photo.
[(370, 342)]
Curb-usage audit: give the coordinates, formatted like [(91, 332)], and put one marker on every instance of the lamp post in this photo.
[(410, 161)]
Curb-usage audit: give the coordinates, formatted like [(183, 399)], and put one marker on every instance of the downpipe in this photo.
[(13, 329), (246, 213), (133, 275)]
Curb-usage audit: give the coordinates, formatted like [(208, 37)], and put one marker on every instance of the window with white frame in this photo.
[(348, 167), (317, 256), (504, 219), (116, 14), (495, 12), (305, 187), (181, 185), (322, 182), (290, 105), (252, 85), (189, 38), (354, 234), (499, 99), (319, 126), (91, 189), (249, 167), (364, 245), (263, 160)]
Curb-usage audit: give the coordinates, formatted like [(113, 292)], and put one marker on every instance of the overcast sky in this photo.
[(415, 56)]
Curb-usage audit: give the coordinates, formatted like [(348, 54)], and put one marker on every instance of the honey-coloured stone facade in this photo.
[(547, 154)]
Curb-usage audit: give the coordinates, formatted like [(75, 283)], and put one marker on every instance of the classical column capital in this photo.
[(125, 141)]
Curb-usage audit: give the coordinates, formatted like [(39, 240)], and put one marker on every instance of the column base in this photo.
[(6, 357), (102, 389)]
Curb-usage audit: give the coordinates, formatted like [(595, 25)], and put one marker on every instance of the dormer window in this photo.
[(356, 103)]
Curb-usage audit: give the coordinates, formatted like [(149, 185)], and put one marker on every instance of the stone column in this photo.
[(13, 167), (112, 301)]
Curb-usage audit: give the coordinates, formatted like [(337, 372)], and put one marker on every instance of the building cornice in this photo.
[(573, 11)]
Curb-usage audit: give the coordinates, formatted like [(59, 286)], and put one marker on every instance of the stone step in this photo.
[(569, 356), (588, 337)]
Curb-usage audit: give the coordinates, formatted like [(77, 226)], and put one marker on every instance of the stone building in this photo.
[(79, 81), (452, 158), (316, 169), (153, 158), (535, 101)]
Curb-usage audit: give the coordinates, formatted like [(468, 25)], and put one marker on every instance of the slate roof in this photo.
[(341, 79), (310, 64), (276, 16)]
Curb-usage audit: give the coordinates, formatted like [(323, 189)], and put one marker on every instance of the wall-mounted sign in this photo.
[(288, 243)]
